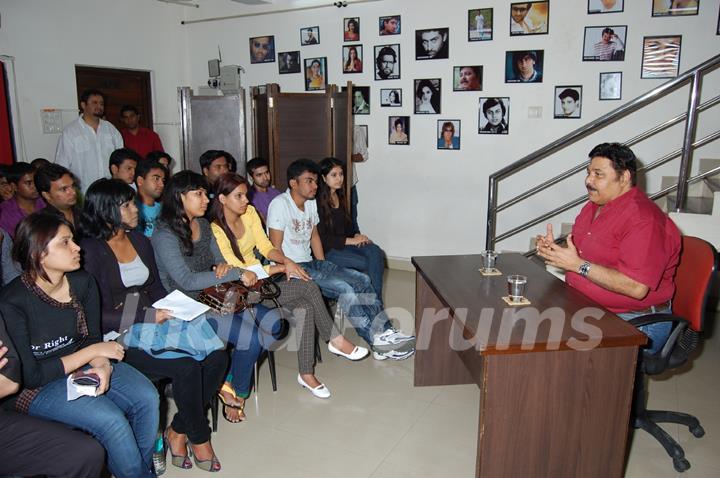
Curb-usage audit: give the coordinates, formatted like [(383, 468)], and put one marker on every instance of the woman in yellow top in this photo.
[(238, 232), (315, 76)]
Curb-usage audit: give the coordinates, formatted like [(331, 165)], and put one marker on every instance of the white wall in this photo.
[(414, 200)]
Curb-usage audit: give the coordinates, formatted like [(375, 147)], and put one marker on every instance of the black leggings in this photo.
[(194, 384)]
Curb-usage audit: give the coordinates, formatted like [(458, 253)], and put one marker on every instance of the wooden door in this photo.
[(120, 87)]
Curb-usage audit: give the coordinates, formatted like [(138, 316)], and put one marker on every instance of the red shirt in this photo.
[(632, 235), (143, 142)]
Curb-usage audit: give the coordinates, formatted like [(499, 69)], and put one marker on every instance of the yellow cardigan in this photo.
[(254, 237)]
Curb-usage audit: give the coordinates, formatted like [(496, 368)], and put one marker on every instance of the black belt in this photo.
[(651, 310)]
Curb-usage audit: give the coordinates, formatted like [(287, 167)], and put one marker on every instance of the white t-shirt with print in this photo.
[(284, 215)]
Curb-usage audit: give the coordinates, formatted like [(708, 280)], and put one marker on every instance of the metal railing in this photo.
[(692, 78)]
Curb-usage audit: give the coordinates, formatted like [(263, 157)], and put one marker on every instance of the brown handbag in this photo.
[(234, 296)]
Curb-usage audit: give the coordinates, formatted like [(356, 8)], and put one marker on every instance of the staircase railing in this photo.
[(693, 78)]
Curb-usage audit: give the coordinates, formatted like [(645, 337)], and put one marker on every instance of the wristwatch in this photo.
[(584, 269)]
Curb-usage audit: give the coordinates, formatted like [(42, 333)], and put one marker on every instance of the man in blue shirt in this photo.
[(150, 181)]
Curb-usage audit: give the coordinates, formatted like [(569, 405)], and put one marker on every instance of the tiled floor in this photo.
[(378, 425)]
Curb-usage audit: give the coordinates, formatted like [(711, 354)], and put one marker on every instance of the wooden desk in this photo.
[(547, 408)]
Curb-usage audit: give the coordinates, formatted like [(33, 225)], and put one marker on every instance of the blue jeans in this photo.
[(355, 295), (249, 343), (124, 419), (657, 333), (368, 259)]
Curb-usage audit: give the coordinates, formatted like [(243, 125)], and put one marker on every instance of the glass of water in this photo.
[(517, 285)]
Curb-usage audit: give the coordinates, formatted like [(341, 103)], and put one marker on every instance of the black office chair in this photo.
[(691, 305)]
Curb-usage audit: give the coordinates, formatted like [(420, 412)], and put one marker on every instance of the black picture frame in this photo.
[(395, 137), (385, 94), (307, 39), (289, 62), (364, 107), (352, 68), (600, 7), (660, 64), (432, 44), (310, 83), (433, 105), (610, 86), (499, 104), (536, 20), (480, 24), (594, 48), (661, 9), (568, 102), (262, 49), (387, 21), (349, 36), (384, 51), (513, 73), (456, 137), (463, 78)]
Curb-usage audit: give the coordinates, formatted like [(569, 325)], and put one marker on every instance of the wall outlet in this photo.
[(51, 121), (535, 112)]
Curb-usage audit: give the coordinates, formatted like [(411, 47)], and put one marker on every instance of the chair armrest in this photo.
[(656, 319)]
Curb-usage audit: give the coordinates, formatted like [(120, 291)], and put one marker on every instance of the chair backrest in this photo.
[(693, 280)]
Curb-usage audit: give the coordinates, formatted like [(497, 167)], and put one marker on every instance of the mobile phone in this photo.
[(86, 379)]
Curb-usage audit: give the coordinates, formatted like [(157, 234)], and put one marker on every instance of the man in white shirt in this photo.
[(85, 145), (292, 225)]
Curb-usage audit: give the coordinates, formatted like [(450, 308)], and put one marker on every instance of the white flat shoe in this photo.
[(321, 391), (358, 353)]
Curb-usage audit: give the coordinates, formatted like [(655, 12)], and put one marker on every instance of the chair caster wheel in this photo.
[(698, 431), (680, 464)]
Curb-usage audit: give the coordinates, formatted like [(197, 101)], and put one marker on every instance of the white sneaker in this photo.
[(392, 337), (393, 354), (321, 391)]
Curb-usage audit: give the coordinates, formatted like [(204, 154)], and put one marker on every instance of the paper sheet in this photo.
[(181, 306)]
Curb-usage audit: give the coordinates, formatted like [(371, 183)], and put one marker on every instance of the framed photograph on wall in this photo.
[(467, 78), (480, 24), (605, 43), (494, 116), (610, 85), (387, 62), (661, 56), (529, 18), (352, 56), (568, 102), (605, 6), (524, 66), (391, 97), (448, 134), (389, 25), (399, 130), (427, 96), (351, 29), (361, 100), (432, 44), (667, 8), (262, 49), (289, 62), (315, 73), (310, 36)]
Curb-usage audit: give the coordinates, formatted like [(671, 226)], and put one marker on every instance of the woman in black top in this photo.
[(342, 245), (122, 261), (52, 314)]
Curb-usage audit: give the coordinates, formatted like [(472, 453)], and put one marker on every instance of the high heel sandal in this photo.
[(227, 388), (181, 461), (212, 465)]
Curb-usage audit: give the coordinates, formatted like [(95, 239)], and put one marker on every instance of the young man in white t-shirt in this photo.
[(292, 225)]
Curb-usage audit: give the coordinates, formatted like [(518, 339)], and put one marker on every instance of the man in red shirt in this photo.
[(139, 139), (623, 250)]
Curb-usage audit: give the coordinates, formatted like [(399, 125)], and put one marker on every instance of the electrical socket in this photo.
[(51, 121)]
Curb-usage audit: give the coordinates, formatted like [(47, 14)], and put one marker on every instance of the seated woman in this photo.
[(52, 313), (188, 260), (342, 245), (123, 264), (238, 231)]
